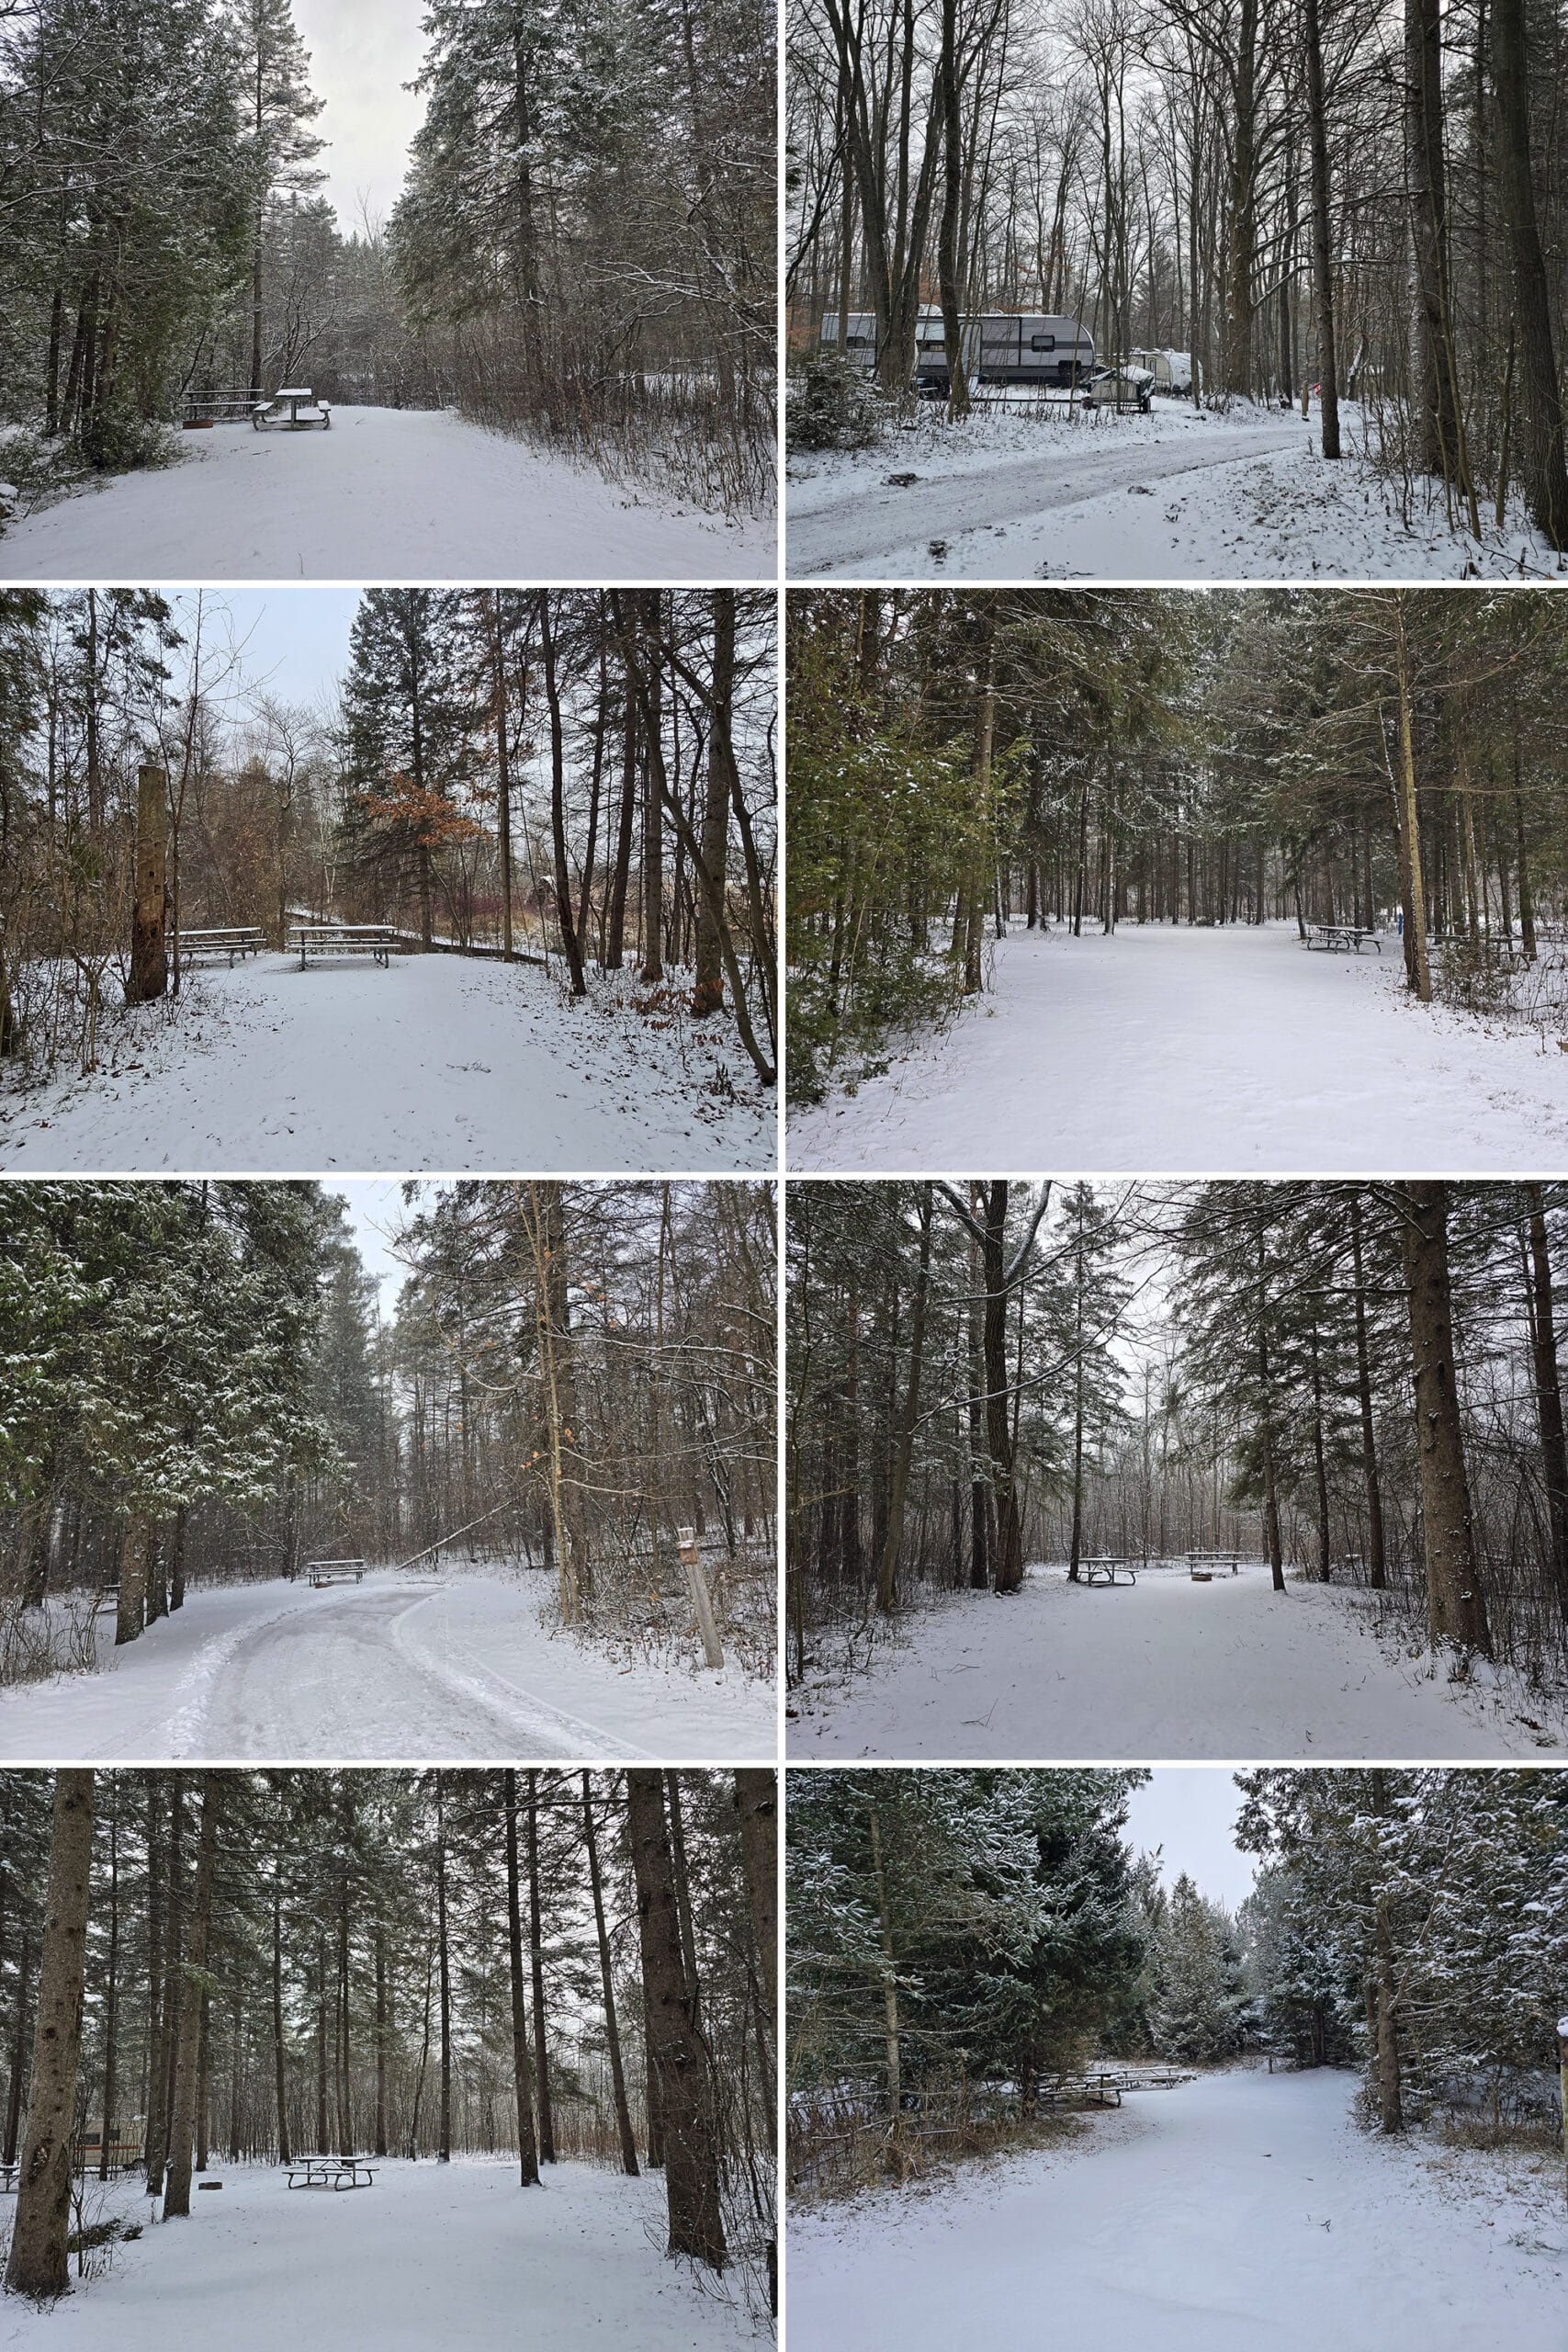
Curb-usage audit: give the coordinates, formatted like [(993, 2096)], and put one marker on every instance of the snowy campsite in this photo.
[(1213, 880), (390, 2057), (468, 1470), (405, 877), (1174, 291), (1192, 1470), (346, 289), (1195, 2065)]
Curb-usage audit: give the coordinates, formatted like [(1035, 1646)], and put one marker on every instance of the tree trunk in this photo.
[(38, 2263), (757, 1802), (182, 2128), (1376, 1574), (903, 1455), (723, 783), (1322, 248), (1539, 425), (1456, 1610), (612, 2031), (536, 1956), (676, 2052), (149, 974), (1549, 1393), (521, 2072)]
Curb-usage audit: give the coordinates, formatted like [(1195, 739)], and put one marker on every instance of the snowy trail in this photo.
[(394, 1667), (1194, 1050), (1165, 1668), (438, 1062), (856, 536), (1243, 2213), (386, 494), (433, 2255)]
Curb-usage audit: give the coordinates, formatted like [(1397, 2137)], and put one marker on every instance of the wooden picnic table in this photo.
[(1106, 1570), (325, 1572), (330, 2172), (1344, 938), (374, 939), (267, 413), (8, 2173), (236, 940), (1200, 1562)]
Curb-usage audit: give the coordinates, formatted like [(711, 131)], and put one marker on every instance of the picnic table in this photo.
[(1206, 1564), (1342, 938), (8, 2173), (1105, 1570), (330, 2172), (235, 941), (374, 939), (325, 1572), (268, 413)]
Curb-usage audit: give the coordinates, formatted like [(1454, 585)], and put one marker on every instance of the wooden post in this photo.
[(149, 974), (702, 1601)]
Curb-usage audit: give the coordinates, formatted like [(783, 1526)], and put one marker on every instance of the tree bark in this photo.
[(1456, 1610), (612, 2031), (1539, 424), (182, 2128), (521, 2072), (38, 2263), (675, 2050)]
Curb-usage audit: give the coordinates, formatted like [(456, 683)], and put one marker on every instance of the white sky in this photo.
[(1189, 1811), (375, 1210), (294, 641), (362, 52)]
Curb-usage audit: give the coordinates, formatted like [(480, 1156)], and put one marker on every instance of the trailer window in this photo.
[(1043, 342)]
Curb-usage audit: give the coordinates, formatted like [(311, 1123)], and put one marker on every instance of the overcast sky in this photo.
[(362, 52), (1189, 1811), (292, 641), (375, 1210)]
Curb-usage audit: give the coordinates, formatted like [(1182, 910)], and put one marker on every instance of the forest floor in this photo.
[(1180, 494), (454, 2254), (467, 1665), (388, 494), (1165, 1668), (1242, 2212), (1233, 1049), (437, 1062)]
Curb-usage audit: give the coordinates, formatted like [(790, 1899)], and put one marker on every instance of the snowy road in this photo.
[(1165, 1668), (397, 1666), (440, 1062), (1225, 1051), (1243, 2213), (853, 537), (388, 494), (434, 2255), (1179, 495)]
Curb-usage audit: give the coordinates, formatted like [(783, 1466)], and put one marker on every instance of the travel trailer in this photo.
[(999, 347)]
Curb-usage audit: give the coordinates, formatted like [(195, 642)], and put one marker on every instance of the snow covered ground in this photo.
[(1179, 495), (1234, 1049), (437, 1062), (434, 2255), (1165, 1668), (1243, 2213), (465, 1667), (386, 494)]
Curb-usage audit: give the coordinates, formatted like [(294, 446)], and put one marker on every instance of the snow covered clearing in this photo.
[(402, 1665), (1181, 495), (440, 1061), (386, 494), (432, 2254), (1165, 1668), (1232, 1048), (1243, 2213)]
